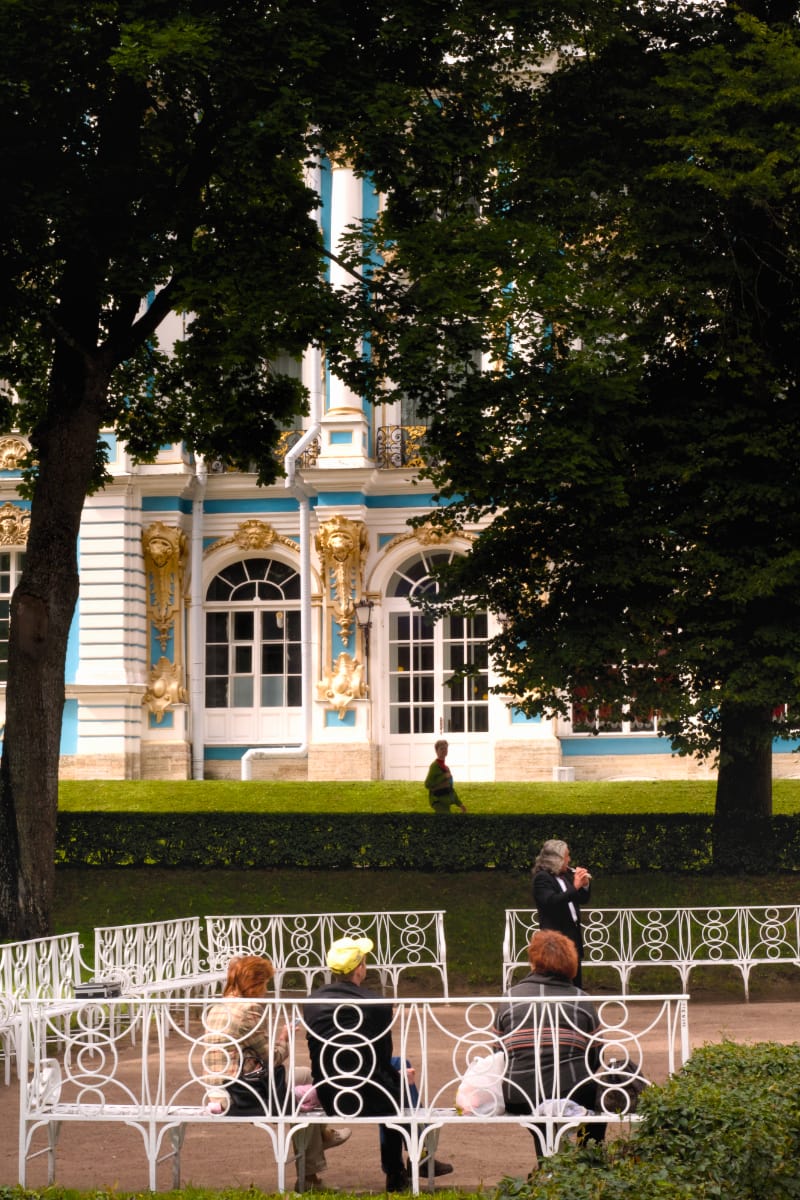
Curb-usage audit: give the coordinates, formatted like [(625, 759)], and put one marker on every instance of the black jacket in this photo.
[(553, 905), (350, 1045)]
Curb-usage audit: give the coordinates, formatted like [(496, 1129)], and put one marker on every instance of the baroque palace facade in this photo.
[(225, 630)]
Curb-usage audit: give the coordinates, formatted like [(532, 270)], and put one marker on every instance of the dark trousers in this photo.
[(392, 1140)]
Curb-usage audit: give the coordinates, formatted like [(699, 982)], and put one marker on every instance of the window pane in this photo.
[(272, 626), (243, 660), (243, 691), (216, 627), (216, 660), (216, 693), (243, 626), (272, 659), (272, 691), (294, 691)]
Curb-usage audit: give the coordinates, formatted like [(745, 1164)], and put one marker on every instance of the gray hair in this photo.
[(551, 856), (441, 742)]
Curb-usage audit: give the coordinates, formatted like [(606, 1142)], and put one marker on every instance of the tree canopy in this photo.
[(604, 335), (157, 161)]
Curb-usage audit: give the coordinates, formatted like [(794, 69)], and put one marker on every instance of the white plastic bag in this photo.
[(480, 1091)]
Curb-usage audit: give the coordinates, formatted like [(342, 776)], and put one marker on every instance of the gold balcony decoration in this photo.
[(342, 684), (13, 452), (14, 525), (400, 446), (342, 546)]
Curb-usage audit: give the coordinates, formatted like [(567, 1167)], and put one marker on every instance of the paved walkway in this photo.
[(94, 1156)]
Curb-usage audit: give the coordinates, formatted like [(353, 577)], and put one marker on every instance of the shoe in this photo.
[(314, 1183), (397, 1181), (332, 1138), (439, 1167)]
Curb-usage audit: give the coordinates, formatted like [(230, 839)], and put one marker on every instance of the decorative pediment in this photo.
[(253, 535), (13, 452)]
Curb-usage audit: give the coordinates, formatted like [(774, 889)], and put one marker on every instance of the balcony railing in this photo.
[(400, 445)]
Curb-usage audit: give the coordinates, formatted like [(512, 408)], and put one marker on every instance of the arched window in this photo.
[(425, 655), (253, 646)]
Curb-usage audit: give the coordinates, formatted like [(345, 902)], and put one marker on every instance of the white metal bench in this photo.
[(47, 968), (157, 1083), (155, 956), (739, 936), (297, 943)]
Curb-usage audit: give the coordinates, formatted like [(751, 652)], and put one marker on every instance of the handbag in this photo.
[(260, 1090)]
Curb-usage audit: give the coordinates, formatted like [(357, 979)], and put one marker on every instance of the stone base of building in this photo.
[(99, 766), (524, 761), (356, 761), (166, 760), (272, 769), (619, 767)]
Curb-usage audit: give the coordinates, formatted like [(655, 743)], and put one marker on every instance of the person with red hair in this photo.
[(552, 1053), (238, 1040)]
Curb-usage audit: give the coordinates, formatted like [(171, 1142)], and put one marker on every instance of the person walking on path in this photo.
[(439, 782), (559, 890)]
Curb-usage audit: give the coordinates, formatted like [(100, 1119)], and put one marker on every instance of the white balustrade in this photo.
[(297, 943), (157, 1082), (739, 936)]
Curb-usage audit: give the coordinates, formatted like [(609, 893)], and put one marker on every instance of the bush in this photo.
[(400, 841), (724, 1126)]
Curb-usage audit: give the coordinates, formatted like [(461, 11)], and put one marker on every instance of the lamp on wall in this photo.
[(363, 612)]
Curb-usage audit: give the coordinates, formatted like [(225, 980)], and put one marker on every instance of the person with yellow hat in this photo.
[(352, 1060)]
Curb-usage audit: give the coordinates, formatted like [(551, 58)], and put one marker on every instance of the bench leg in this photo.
[(53, 1130), (176, 1137)]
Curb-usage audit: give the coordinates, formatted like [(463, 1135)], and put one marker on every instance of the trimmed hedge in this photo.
[(401, 841), (725, 1126)]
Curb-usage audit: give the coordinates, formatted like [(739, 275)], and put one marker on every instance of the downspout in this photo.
[(312, 364), (196, 657), (314, 361)]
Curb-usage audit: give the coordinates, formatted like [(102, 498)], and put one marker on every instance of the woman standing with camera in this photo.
[(559, 890)]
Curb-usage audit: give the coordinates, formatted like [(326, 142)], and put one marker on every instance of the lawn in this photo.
[(632, 796)]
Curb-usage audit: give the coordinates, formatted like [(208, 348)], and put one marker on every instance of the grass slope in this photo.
[(475, 905), (631, 796)]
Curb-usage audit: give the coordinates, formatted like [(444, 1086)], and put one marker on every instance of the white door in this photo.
[(424, 700)]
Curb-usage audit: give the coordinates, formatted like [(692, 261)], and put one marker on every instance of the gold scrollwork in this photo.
[(342, 684), (164, 559), (13, 452), (14, 525), (342, 546), (165, 688), (253, 535)]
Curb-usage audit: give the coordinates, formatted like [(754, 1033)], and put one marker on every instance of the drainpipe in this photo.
[(196, 640), (314, 363)]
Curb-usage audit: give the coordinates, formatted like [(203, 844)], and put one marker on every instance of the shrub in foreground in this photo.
[(724, 1126)]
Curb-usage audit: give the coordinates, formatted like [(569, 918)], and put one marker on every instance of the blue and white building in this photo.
[(226, 630)]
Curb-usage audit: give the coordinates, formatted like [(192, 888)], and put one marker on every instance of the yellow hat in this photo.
[(346, 953)]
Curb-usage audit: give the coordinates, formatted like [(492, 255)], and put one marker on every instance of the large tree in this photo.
[(155, 161), (605, 335)]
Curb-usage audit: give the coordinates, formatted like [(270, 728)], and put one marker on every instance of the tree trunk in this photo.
[(743, 838), (42, 608)]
